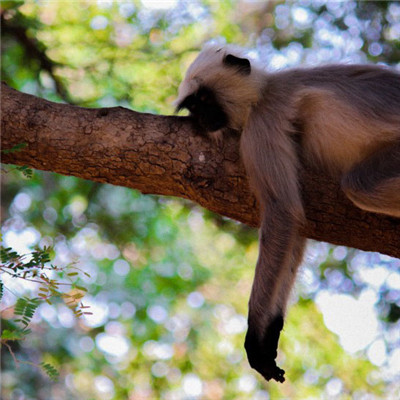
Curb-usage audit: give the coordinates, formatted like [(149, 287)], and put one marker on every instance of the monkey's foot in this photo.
[(262, 351)]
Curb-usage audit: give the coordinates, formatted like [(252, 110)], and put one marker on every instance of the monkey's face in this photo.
[(205, 109), (218, 90)]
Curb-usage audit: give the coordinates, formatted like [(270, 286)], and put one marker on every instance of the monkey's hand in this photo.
[(262, 351)]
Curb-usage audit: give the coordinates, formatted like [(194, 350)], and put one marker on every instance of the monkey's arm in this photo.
[(280, 254), (271, 163)]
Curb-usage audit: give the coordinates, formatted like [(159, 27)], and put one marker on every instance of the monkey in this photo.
[(344, 119)]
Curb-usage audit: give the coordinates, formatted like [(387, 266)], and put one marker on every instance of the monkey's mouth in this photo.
[(206, 118), (205, 110)]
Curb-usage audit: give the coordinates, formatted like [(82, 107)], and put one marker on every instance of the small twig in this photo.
[(6, 309), (3, 269), (16, 361)]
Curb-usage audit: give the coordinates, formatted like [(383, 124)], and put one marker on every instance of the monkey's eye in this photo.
[(204, 98)]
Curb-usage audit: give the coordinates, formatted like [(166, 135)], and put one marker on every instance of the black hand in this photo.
[(262, 351)]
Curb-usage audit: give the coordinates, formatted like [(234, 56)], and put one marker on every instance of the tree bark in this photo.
[(163, 155)]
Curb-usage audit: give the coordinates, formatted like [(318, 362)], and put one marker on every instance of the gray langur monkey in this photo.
[(343, 118)]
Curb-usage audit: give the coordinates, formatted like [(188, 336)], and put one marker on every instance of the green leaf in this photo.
[(51, 371), (7, 254), (13, 335), (14, 149), (25, 308), (80, 288), (26, 171)]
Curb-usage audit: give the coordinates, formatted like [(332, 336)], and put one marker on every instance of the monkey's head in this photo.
[(219, 88)]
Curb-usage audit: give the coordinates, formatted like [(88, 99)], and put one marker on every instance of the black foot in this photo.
[(262, 351)]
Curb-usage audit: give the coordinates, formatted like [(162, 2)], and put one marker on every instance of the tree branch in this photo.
[(162, 155)]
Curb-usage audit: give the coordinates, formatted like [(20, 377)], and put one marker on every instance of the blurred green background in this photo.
[(169, 282)]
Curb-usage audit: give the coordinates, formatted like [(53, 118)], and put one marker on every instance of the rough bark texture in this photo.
[(162, 155)]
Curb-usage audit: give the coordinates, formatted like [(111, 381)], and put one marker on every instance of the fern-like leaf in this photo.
[(52, 372), (7, 254), (26, 171), (25, 308)]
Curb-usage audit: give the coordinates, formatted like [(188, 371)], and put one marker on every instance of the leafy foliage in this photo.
[(25, 308), (25, 170), (52, 373), (34, 268)]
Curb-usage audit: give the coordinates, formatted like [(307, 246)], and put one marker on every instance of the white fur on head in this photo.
[(236, 92)]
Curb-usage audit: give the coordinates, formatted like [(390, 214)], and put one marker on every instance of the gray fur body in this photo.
[(343, 118)]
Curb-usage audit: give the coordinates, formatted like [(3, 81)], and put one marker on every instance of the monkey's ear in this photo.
[(242, 64)]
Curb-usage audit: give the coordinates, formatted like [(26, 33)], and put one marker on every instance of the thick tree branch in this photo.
[(162, 155)]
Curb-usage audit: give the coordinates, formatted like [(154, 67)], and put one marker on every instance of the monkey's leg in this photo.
[(280, 253), (374, 184)]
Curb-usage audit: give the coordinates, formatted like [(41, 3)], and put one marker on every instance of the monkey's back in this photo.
[(345, 112)]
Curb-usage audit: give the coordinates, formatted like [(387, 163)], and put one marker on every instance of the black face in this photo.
[(205, 110)]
